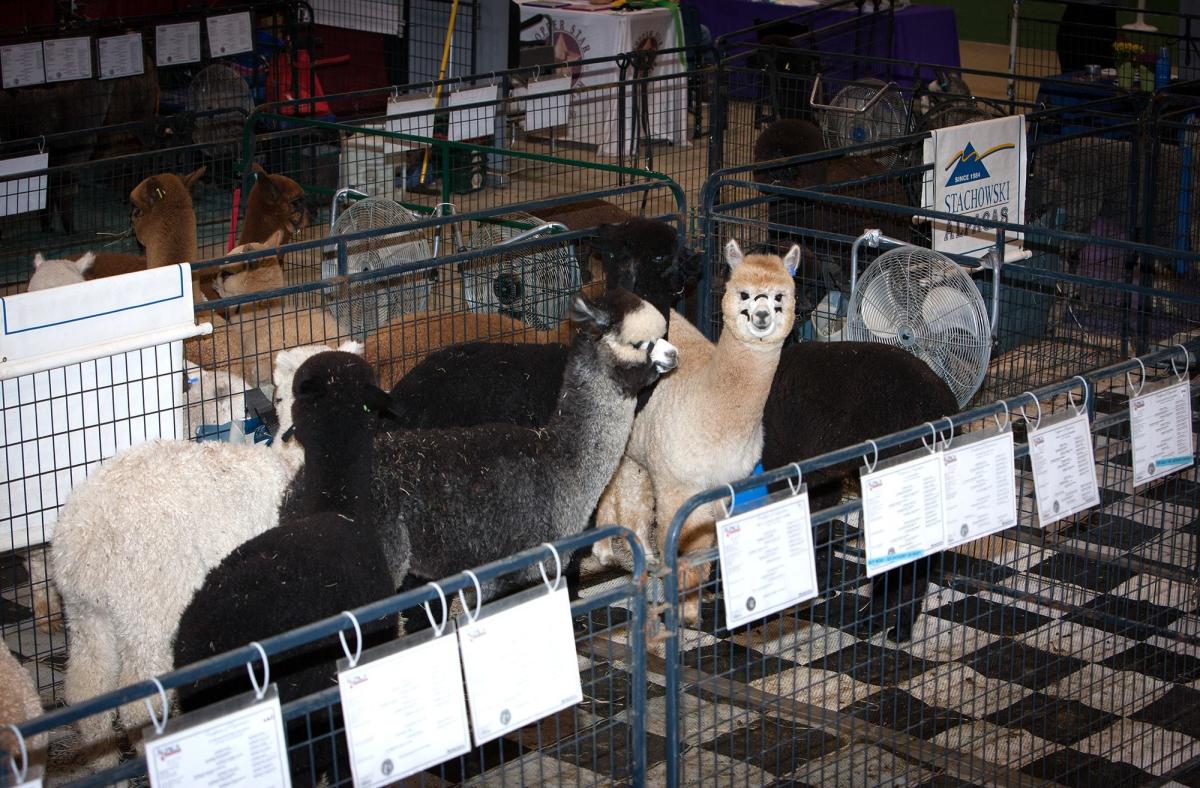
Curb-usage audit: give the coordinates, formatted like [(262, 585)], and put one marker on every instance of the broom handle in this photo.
[(437, 94)]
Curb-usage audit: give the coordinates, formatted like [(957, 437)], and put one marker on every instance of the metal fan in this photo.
[(950, 111), (220, 100), (368, 305), (534, 286), (864, 111), (924, 302)]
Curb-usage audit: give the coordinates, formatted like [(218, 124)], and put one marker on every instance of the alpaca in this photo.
[(323, 557), (19, 702), (276, 204), (468, 496), (255, 277), (703, 425), (57, 273), (212, 398), (158, 543)]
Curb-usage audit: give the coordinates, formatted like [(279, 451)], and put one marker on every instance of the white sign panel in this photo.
[(120, 56), (244, 746), (67, 58), (404, 708), (418, 125), (519, 663), (473, 122), (1160, 424), (902, 512), (21, 65), (979, 488), (21, 195), (175, 44), (230, 34), (542, 111), (767, 560), (978, 172), (1064, 470)]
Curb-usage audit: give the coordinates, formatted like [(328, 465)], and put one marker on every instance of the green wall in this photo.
[(987, 20)]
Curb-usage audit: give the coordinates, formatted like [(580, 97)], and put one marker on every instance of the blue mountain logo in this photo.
[(968, 163)]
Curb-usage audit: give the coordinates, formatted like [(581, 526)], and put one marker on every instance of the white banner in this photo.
[(979, 172)]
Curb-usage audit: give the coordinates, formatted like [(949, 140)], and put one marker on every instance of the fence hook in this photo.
[(1030, 394), (1129, 380), (1007, 417), (537, 74), (799, 480), (42, 143), (260, 689), (478, 597), (949, 432), (352, 658), (557, 568), (1187, 363), (732, 501), (23, 771), (1071, 395), (871, 467), (158, 724), (933, 429), (437, 628)]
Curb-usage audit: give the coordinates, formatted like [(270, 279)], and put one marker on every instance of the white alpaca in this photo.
[(703, 425), (135, 541), (56, 273)]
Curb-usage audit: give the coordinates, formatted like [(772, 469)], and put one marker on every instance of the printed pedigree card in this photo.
[(21, 195), (1160, 425), (473, 122), (519, 662), (120, 56), (33, 778), (979, 488), (21, 64), (767, 559), (404, 708), (236, 743), (229, 34), (419, 124), (543, 111), (67, 58), (175, 44), (902, 511), (1064, 471)]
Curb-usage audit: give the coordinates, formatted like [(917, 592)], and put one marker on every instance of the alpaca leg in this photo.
[(151, 655), (626, 501), (47, 607), (696, 535), (92, 670)]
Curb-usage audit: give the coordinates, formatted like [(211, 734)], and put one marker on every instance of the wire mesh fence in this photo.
[(1036, 654)]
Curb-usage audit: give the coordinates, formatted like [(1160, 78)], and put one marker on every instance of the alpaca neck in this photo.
[(337, 477), (751, 364), (259, 226), (176, 245)]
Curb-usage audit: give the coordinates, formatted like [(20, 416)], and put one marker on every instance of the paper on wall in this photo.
[(67, 58), (22, 64), (120, 56), (175, 44), (230, 34)]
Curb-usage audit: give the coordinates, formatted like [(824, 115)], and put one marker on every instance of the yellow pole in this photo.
[(437, 95)]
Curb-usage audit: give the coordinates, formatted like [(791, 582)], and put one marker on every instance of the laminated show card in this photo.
[(67, 58), (902, 511), (239, 742), (33, 778), (120, 56), (1160, 425), (767, 560), (418, 125), (979, 488), (404, 708), (175, 44), (21, 195), (544, 112), (229, 34), (519, 661), (475, 122), (1064, 470), (21, 64)]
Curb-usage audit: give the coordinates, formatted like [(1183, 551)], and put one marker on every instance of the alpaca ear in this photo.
[(84, 264), (152, 190), (589, 315), (380, 402), (38, 260), (350, 346), (190, 180), (257, 169), (792, 260), (733, 253)]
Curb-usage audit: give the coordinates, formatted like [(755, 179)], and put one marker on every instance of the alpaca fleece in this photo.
[(19, 702), (323, 557), (468, 496), (57, 273), (134, 542)]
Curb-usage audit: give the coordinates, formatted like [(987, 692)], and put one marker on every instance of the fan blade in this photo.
[(946, 308)]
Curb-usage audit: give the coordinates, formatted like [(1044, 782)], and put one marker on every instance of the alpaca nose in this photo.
[(761, 318), (664, 356)]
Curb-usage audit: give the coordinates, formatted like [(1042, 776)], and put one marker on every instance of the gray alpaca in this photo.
[(472, 495)]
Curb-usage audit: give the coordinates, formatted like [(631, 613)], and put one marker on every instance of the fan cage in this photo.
[(221, 100), (886, 119)]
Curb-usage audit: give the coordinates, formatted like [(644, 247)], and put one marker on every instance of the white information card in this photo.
[(1064, 469), (902, 511), (469, 124), (767, 559), (33, 777), (230, 34), (67, 58), (22, 195), (120, 56), (541, 111), (519, 662), (404, 708), (979, 489), (236, 743), (21, 65), (419, 125), (1160, 425), (175, 44)]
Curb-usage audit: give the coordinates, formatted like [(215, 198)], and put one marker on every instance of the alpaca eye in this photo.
[(744, 295), (778, 297)]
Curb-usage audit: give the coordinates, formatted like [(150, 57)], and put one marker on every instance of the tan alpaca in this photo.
[(19, 702), (703, 425)]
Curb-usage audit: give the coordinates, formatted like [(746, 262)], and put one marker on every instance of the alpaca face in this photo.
[(759, 305), (629, 333), (160, 204), (280, 200)]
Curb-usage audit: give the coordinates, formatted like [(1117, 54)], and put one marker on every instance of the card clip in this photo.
[(799, 480), (949, 432), (478, 597), (437, 628), (1007, 417), (22, 771), (260, 689), (1187, 363), (1033, 427), (557, 568), (732, 502), (871, 466), (1071, 395), (1129, 380), (158, 724), (353, 658), (933, 429)]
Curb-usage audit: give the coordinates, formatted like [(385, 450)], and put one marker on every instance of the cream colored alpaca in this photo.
[(703, 426)]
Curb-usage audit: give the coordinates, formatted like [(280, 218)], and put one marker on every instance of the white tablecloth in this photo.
[(583, 35)]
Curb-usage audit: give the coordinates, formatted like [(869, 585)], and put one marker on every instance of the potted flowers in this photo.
[(1126, 53)]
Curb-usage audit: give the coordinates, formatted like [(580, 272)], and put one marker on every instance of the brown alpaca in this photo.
[(703, 425), (19, 702)]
